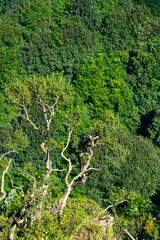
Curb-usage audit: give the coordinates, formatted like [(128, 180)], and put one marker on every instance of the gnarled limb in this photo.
[(80, 178)]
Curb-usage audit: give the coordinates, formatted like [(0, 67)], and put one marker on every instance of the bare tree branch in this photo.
[(4, 154), (51, 109), (19, 188), (58, 170), (67, 159), (129, 235), (67, 144), (90, 155), (11, 232), (15, 101), (92, 169), (2, 181), (28, 119), (44, 110), (110, 206), (85, 167)]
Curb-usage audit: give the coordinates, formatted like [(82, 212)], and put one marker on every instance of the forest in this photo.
[(80, 119)]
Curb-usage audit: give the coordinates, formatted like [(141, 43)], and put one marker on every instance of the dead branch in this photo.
[(67, 159), (2, 181), (67, 144), (92, 169), (51, 109), (4, 154), (110, 206), (58, 170), (129, 234)]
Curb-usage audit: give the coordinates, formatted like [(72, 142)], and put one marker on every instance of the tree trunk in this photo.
[(44, 189), (57, 208)]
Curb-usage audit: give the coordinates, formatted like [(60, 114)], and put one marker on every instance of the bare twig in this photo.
[(110, 206), (129, 234), (23, 106)]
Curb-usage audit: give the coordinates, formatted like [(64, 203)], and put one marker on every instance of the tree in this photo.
[(47, 94)]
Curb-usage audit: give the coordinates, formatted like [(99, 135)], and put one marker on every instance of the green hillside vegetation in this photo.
[(80, 119)]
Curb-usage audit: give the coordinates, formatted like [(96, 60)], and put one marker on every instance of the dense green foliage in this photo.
[(102, 59)]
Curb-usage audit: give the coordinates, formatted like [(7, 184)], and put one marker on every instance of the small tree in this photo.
[(45, 94)]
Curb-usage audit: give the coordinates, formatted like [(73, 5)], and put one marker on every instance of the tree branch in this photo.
[(110, 206), (67, 159), (4, 154), (85, 167), (49, 108), (90, 155), (29, 120), (92, 169), (129, 235), (2, 182), (58, 170), (19, 188)]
